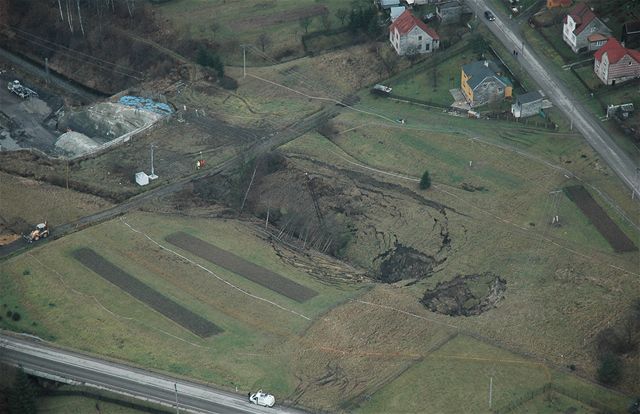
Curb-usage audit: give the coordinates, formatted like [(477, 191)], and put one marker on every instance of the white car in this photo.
[(263, 399)]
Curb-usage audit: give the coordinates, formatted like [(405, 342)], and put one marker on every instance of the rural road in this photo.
[(562, 97), (45, 361)]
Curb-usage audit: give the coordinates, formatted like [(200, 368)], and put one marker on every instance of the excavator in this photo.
[(41, 231)]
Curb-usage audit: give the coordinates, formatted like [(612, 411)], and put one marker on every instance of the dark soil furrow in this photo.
[(241, 267), (144, 293)]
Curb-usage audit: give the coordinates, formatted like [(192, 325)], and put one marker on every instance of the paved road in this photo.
[(48, 362), (562, 97)]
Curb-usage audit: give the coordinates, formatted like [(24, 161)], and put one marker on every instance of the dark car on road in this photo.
[(489, 16)]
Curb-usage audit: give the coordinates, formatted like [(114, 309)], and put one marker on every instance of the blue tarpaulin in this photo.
[(146, 104)]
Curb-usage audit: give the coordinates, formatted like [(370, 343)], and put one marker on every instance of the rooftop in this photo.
[(480, 70), (615, 51), (529, 97), (407, 21)]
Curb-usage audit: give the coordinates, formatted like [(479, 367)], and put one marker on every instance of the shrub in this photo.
[(425, 181), (16, 316), (610, 369), (26, 272), (9, 313), (229, 83)]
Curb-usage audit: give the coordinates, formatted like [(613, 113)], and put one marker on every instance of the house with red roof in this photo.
[(552, 4), (613, 63), (410, 35), (583, 30)]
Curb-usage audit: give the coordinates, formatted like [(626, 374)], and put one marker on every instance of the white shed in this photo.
[(142, 178)]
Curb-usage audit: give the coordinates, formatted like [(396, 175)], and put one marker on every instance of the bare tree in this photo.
[(305, 22), (342, 15), (264, 41), (80, 17), (326, 21), (69, 17), (60, 7)]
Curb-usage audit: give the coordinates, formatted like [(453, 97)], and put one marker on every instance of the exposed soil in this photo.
[(242, 267), (466, 295), (177, 313), (599, 218), (404, 262)]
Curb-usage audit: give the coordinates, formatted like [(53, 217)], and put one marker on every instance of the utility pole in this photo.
[(555, 219), (175, 386), (244, 61), (153, 175), (490, 391), (46, 68)]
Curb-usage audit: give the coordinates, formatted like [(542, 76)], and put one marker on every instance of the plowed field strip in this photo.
[(603, 223), (145, 294), (241, 267)]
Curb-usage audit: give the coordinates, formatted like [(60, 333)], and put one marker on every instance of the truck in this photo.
[(381, 90), (262, 398), (21, 90)]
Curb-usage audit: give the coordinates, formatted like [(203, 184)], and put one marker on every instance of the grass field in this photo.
[(55, 288), (465, 367), (238, 22), (81, 405)]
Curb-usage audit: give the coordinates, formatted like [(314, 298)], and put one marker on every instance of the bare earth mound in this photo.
[(241, 267), (466, 295), (144, 293), (599, 218)]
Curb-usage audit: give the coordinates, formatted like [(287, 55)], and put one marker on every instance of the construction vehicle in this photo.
[(41, 231), (262, 398), (20, 90)]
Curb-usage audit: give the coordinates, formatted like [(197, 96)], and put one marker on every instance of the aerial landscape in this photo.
[(319, 206)]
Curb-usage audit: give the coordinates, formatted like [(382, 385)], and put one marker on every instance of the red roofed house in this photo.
[(409, 35), (614, 63), (583, 31), (551, 4)]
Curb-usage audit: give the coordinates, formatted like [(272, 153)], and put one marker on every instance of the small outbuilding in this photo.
[(395, 12), (142, 178), (527, 104)]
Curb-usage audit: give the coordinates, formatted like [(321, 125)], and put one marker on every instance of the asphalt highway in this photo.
[(506, 30), (43, 360)]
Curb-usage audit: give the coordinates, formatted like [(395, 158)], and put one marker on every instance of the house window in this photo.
[(419, 46), (419, 37), (426, 47)]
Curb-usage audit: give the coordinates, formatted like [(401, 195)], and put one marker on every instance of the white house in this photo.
[(408, 34), (583, 31)]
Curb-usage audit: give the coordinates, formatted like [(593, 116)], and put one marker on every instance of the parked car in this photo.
[(262, 398), (489, 16)]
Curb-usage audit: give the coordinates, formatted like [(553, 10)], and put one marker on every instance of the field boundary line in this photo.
[(116, 315), (213, 273), (406, 313)]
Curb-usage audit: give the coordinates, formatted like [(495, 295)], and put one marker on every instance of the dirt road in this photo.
[(561, 96)]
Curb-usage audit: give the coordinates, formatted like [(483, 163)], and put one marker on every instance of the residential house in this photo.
[(552, 4), (630, 36), (481, 83), (580, 27), (387, 4), (395, 12), (412, 3), (614, 63), (527, 104), (408, 35), (449, 12)]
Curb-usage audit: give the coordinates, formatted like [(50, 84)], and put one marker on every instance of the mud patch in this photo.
[(466, 295), (405, 263)]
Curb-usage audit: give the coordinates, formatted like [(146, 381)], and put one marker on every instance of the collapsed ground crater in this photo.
[(466, 295)]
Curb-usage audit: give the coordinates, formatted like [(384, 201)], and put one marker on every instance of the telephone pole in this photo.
[(153, 175)]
